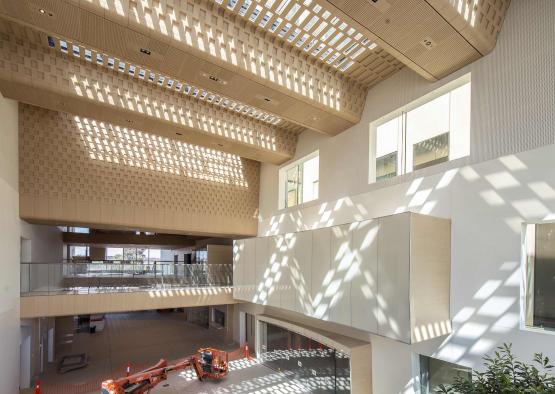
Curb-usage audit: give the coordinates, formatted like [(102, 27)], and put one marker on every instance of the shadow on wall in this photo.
[(487, 203)]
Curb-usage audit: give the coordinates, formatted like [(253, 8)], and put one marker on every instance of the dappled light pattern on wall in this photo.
[(84, 170), (366, 275)]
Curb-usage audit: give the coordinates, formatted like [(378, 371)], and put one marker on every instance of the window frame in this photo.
[(527, 283), (402, 112), (282, 179)]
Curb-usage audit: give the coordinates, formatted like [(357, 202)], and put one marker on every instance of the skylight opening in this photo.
[(343, 43), (245, 7), (281, 7), (319, 29), (311, 23), (165, 82), (275, 25), (255, 13), (293, 11), (265, 19), (310, 44), (231, 4), (284, 30), (294, 34), (302, 17), (335, 39), (317, 50)]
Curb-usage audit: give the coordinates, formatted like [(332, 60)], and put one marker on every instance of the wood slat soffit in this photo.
[(308, 63), (68, 77)]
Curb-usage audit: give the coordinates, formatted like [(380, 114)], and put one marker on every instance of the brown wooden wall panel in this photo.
[(83, 171)]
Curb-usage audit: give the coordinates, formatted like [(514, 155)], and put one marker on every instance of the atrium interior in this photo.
[(275, 196)]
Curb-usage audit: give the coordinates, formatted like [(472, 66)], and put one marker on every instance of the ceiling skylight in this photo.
[(308, 26), (150, 76)]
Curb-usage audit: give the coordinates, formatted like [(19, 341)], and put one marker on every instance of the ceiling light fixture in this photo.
[(178, 133), (267, 99), (145, 51), (42, 10)]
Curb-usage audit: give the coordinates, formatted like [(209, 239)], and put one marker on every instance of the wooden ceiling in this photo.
[(285, 64)]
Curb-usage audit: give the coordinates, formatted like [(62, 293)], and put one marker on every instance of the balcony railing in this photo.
[(119, 276)]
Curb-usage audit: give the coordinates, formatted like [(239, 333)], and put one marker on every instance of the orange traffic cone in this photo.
[(37, 387), (247, 353)]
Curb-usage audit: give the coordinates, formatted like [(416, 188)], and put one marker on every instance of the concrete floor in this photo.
[(145, 337), (141, 338), (245, 377)]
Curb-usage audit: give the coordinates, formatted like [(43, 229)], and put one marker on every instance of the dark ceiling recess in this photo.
[(145, 51)]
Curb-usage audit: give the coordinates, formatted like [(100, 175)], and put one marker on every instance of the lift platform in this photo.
[(207, 363)]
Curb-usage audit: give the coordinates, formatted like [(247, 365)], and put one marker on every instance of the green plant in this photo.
[(505, 374)]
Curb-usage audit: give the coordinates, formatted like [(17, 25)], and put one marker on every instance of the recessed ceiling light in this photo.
[(213, 78), (42, 10), (145, 51)]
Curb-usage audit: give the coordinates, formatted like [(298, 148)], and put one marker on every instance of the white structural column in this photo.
[(9, 247)]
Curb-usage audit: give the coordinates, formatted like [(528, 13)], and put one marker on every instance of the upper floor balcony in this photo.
[(114, 286)]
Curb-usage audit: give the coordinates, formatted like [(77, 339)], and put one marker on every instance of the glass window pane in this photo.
[(432, 151), (387, 145), (435, 372), (544, 276), (129, 253), (154, 254), (292, 190), (311, 169), (319, 368), (423, 124), (459, 126), (114, 253), (142, 254), (79, 251)]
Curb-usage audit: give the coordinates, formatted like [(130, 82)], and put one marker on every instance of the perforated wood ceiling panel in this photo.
[(77, 170), (434, 37), (36, 74), (193, 40), (311, 27), (478, 21)]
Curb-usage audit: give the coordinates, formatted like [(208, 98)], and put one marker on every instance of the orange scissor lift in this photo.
[(207, 363)]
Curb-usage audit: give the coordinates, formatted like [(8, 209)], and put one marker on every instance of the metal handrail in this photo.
[(120, 276)]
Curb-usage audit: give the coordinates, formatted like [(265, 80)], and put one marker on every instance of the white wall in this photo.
[(45, 246), (9, 247), (513, 102), (46, 242)]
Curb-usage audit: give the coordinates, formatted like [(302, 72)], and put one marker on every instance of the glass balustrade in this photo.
[(119, 276)]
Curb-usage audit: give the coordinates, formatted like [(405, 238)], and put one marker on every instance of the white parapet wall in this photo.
[(388, 276), (84, 304)]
